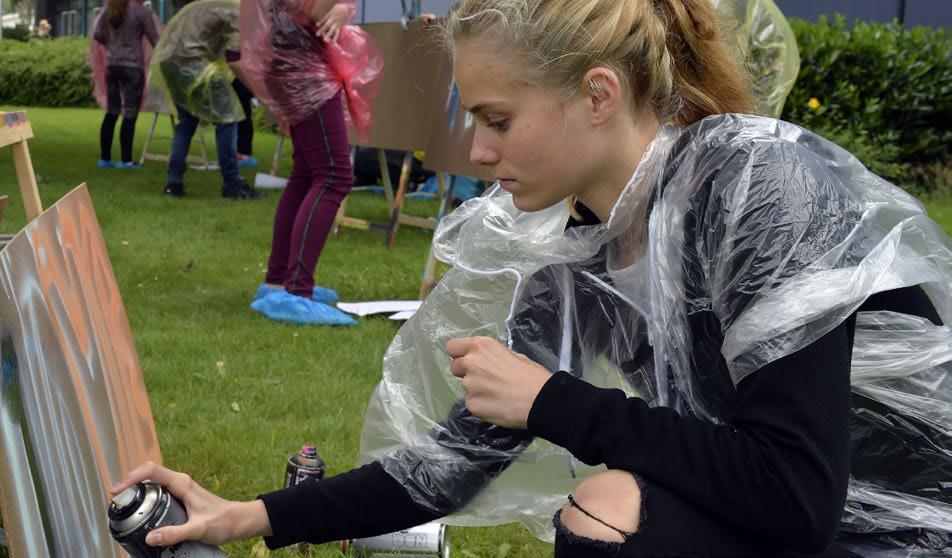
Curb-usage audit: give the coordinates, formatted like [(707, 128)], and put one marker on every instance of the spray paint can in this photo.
[(424, 541), (147, 506), (303, 465)]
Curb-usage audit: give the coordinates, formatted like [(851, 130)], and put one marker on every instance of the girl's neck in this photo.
[(620, 163)]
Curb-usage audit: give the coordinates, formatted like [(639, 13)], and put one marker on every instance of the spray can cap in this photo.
[(309, 450), (126, 497)]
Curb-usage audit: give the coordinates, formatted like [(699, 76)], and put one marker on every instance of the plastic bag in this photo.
[(293, 72)]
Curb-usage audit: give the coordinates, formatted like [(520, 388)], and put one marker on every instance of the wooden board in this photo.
[(413, 60)]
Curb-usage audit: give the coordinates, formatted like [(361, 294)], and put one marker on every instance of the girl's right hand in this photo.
[(211, 519), (328, 27)]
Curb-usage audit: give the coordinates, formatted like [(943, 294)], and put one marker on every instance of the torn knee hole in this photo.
[(580, 525), (605, 507)]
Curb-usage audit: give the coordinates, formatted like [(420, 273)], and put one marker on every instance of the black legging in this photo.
[(126, 133), (124, 88), (246, 128)]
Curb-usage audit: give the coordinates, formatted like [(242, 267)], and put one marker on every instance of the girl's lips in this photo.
[(507, 184)]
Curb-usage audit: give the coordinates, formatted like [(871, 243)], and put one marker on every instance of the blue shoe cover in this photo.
[(128, 165), (105, 164), (247, 162), (285, 307), (320, 294), (325, 295)]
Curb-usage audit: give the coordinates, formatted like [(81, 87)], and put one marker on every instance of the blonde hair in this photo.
[(669, 53)]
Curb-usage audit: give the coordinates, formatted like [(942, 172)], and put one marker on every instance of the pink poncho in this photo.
[(293, 72)]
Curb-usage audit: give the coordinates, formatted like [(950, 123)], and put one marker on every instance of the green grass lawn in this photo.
[(187, 269)]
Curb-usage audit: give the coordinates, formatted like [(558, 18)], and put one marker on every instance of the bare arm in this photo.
[(321, 8)]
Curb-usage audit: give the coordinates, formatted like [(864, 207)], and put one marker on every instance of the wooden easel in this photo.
[(202, 161), (395, 202), (414, 72), (15, 130)]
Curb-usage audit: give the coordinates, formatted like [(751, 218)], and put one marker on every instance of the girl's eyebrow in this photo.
[(479, 107)]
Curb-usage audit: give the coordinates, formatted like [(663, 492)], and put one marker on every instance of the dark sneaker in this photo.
[(174, 190), (241, 191)]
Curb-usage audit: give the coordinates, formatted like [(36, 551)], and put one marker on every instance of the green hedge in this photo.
[(45, 73), (881, 91), (18, 33)]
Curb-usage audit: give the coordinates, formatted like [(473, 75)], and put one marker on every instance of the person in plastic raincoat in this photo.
[(123, 37), (768, 47), (191, 60), (731, 343), (311, 70)]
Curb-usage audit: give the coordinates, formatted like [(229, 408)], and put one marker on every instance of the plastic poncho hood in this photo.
[(778, 232)]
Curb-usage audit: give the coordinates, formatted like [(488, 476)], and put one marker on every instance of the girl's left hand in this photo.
[(328, 28), (500, 385)]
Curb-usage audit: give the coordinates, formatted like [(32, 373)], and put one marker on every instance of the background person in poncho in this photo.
[(312, 71), (191, 60), (123, 37), (732, 343)]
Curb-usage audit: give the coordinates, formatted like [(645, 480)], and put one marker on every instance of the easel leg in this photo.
[(276, 160), (398, 200), (27, 180), (429, 270), (148, 138), (385, 177)]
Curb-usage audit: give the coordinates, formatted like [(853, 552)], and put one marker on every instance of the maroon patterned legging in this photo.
[(321, 178)]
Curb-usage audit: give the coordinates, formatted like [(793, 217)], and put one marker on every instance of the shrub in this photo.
[(882, 91), (50, 73), (18, 33)]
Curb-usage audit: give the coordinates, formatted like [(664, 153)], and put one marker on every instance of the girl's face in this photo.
[(541, 149)]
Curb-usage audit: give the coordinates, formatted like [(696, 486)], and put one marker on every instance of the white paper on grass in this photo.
[(269, 181), (379, 307), (402, 316)]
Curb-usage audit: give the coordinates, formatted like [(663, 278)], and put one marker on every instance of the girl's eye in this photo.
[(498, 124)]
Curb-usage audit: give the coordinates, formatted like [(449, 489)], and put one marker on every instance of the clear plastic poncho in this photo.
[(189, 60), (768, 48), (293, 72), (796, 235), (97, 60)]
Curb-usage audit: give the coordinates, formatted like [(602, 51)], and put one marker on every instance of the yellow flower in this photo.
[(813, 103)]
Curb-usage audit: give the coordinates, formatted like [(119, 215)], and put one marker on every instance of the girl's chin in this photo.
[(530, 204)]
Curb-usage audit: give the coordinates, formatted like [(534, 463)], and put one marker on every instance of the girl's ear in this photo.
[(603, 91)]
